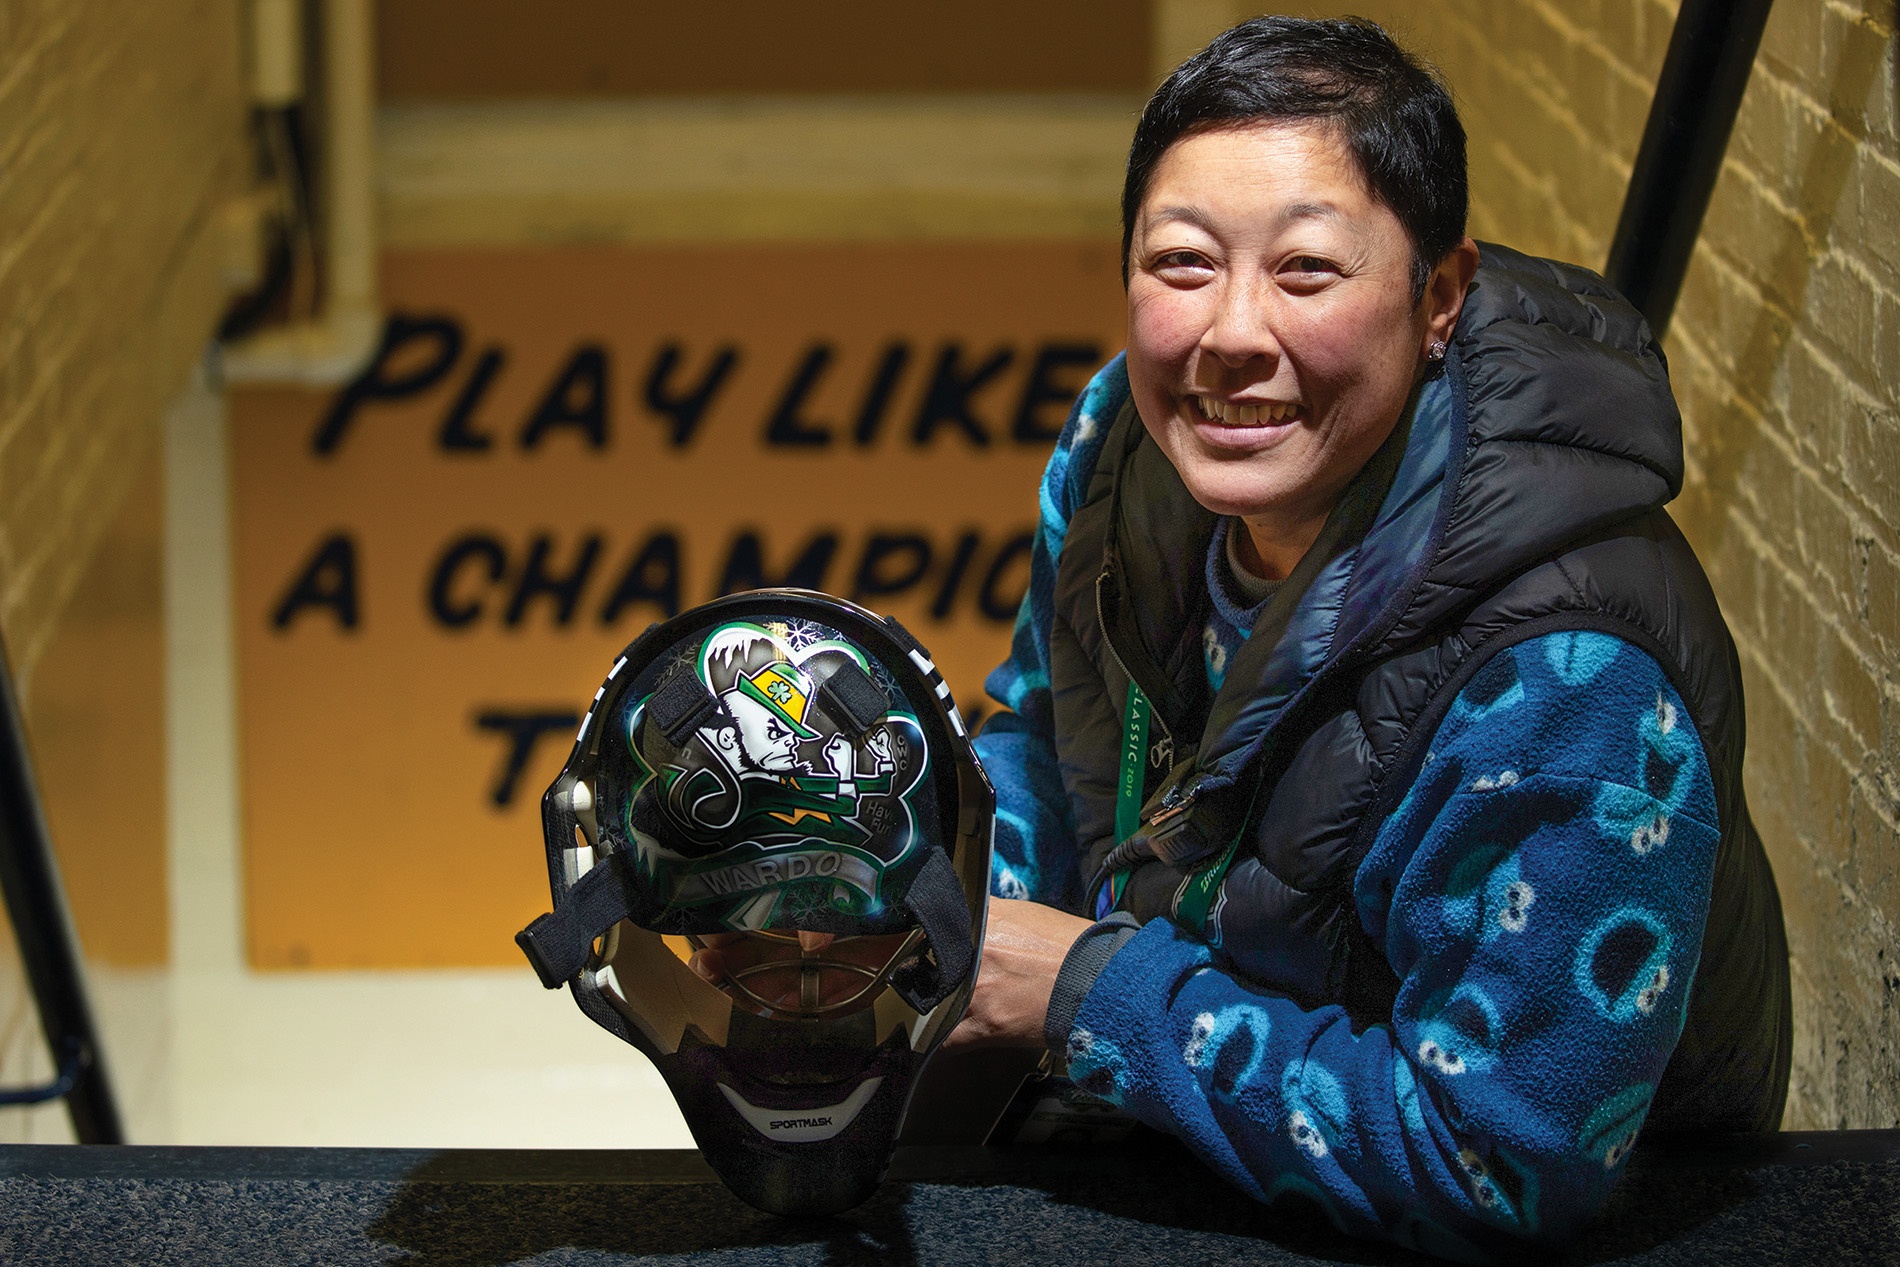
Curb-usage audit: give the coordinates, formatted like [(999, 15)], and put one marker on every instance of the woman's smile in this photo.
[(1236, 413), (1238, 429)]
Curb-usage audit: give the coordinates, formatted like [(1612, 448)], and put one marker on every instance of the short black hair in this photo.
[(1392, 110)]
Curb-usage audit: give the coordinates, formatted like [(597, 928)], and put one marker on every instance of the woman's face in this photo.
[(1273, 340)]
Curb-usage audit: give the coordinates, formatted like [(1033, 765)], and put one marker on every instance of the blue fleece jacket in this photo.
[(1544, 952)]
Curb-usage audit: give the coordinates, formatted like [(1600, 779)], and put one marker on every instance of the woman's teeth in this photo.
[(1233, 415)]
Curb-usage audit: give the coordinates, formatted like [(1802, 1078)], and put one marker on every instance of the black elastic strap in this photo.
[(1099, 943), (937, 902), (849, 695), (559, 944), (681, 706)]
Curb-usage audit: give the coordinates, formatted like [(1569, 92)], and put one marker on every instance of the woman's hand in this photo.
[(1023, 947)]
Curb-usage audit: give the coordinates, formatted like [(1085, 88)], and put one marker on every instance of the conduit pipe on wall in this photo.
[(1711, 52), (339, 341), (276, 53)]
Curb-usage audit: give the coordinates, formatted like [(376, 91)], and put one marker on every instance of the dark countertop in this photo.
[(1826, 1197)]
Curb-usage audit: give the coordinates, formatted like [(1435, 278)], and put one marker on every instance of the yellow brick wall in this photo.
[(1785, 353), (121, 130)]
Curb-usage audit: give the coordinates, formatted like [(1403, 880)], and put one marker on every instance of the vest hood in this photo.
[(1569, 426)]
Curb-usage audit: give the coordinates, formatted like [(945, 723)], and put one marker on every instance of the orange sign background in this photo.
[(435, 569)]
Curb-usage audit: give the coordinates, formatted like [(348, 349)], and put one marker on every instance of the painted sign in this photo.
[(436, 564)]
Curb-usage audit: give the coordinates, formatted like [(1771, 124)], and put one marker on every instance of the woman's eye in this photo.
[(1177, 260), (1307, 274)]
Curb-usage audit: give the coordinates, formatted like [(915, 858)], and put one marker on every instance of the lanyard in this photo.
[(1194, 900), (1135, 716)]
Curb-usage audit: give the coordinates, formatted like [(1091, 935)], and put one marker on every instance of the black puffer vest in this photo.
[(1521, 495)]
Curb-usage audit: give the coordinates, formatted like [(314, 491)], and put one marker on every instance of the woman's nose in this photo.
[(1239, 328)]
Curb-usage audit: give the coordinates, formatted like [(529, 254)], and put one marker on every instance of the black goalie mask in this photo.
[(777, 787)]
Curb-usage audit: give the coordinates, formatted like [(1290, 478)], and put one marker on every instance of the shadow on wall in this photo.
[(1823, 182)]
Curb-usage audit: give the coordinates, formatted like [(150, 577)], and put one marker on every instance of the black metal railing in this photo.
[(36, 903), (1711, 51)]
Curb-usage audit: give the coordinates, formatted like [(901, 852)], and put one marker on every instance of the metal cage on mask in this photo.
[(771, 763)]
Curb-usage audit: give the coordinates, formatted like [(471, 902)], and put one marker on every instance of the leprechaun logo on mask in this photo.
[(771, 812)]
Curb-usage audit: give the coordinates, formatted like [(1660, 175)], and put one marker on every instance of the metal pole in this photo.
[(36, 903), (1711, 52)]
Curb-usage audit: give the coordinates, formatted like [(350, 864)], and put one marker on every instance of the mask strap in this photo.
[(559, 944), (937, 902)]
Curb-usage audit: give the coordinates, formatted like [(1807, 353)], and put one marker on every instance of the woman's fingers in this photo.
[(709, 963)]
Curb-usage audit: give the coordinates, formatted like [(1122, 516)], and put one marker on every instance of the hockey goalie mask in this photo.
[(777, 787)]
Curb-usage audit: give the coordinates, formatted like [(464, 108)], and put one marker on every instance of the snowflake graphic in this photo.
[(800, 902)]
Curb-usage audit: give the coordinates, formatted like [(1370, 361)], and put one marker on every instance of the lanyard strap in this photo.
[(1194, 901), (1134, 762), (1135, 716)]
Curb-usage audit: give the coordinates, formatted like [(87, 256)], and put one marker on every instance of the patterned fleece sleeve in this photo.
[(1540, 895), (1035, 829)]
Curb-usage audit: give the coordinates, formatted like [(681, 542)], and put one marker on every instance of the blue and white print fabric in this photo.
[(1540, 894), (1035, 829)]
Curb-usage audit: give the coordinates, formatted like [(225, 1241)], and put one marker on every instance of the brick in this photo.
[(1852, 690), (1872, 464), (1621, 32), (1562, 54), (1791, 43), (1747, 330), (1867, 868), (1824, 541), (1769, 712), (1849, 982), (1869, 227), (1879, 589), (1590, 87), (1628, 95), (1788, 621), (1758, 235), (1884, 337), (1816, 405), (1654, 21), (1735, 573), (1707, 307), (1776, 133), (1846, 295), (1804, 1112), (1825, 807), (1827, 167), (1858, 84)]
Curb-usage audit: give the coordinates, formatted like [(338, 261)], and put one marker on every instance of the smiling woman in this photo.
[(1366, 697)]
